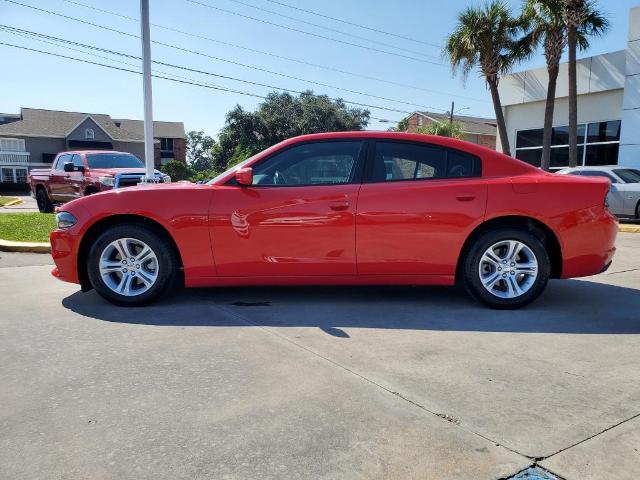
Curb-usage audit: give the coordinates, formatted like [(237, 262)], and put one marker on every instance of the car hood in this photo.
[(114, 171)]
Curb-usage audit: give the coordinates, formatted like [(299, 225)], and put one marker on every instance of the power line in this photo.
[(274, 55), (324, 27), (183, 80), (353, 24), (360, 104), (244, 65), (317, 35)]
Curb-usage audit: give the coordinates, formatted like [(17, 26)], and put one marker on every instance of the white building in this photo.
[(608, 108)]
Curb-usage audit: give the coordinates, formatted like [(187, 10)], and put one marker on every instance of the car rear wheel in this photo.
[(506, 268), (42, 199), (132, 265)]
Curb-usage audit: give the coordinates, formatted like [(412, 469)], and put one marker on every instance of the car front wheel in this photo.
[(506, 268), (42, 199), (131, 265)]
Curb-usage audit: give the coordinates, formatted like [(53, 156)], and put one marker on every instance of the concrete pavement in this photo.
[(319, 382)]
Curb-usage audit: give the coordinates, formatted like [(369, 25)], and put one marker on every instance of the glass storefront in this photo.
[(598, 144)]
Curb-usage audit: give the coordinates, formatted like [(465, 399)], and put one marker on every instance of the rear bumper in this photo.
[(588, 246)]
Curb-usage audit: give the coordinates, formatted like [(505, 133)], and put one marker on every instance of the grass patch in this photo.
[(26, 227), (5, 200)]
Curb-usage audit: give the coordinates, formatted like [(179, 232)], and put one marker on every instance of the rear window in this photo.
[(113, 160), (628, 175)]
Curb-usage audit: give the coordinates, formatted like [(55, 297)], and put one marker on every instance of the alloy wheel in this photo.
[(508, 269), (128, 266)]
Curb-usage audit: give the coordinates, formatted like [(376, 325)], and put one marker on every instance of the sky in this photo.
[(31, 79)]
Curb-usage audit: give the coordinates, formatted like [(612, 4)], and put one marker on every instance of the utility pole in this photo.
[(146, 87), (451, 113)]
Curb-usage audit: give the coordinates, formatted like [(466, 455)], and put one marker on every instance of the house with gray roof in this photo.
[(480, 130), (32, 139)]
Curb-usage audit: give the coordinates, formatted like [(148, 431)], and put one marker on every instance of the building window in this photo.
[(166, 144), (598, 144), (21, 175), (89, 134), (419, 120), (7, 175), (12, 145)]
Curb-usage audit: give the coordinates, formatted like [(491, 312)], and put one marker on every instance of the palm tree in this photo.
[(443, 129), (547, 26), (582, 20), (489, 38)]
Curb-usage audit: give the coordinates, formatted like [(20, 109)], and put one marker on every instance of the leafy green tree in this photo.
[(443, 129), (200, 151), (177, 170), (403, 125), (489, 38), (279, 117), (582, 20)]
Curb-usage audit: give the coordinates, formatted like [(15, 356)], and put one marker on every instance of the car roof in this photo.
[(607, 168), (85, 152)]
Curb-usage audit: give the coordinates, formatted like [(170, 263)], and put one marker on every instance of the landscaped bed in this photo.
[(26, 227), (5, 200)]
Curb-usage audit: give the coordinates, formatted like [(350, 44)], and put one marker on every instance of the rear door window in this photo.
[(393, 161)]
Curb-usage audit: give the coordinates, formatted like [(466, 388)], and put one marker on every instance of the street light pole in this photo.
[(146, 87)]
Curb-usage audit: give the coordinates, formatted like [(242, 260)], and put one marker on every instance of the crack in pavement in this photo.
[(442, 416), (611, 427), (623, 271), (447, 418)]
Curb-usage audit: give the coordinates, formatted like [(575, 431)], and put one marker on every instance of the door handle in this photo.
[(465, 197), (339, 205)]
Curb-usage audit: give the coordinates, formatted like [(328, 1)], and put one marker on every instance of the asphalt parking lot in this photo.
[(328, 383)]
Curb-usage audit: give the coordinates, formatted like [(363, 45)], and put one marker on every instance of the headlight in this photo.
[(166, 179), (107, 181), (65, 220)]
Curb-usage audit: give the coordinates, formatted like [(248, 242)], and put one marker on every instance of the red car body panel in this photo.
[(399, 232)]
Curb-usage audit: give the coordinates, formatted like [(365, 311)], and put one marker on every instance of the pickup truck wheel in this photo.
[(42, 199), (506, 268), (131, 265)]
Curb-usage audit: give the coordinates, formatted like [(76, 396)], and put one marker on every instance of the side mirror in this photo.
[(68, 167), (244, 176)]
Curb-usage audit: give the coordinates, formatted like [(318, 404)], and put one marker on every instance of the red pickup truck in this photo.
[(79, 173)]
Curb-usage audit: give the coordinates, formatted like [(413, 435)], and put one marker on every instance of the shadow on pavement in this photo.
[(568, 306)]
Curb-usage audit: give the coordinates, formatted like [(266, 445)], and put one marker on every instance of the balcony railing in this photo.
[(7, 157)]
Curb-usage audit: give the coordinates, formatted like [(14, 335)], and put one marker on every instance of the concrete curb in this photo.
[(17, 201), (31, 247), (629, 228)]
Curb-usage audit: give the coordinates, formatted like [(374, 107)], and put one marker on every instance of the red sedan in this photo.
[(344, 208)]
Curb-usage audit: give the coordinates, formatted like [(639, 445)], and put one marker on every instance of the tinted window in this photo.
[(597, 173), (113, 160), (529, 138), (322, 163), (606, 154), (628, 175), (560, 135), (407, 161), (604, 132), (533, 157), (77, 161), (62, 159)]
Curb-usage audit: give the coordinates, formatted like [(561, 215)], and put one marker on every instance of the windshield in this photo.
[(235, 167), (113, 160), (628, 175)]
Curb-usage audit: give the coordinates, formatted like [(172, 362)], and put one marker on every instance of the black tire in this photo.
[(167, 264), (638, 211), (471, 268), (42, 199)]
